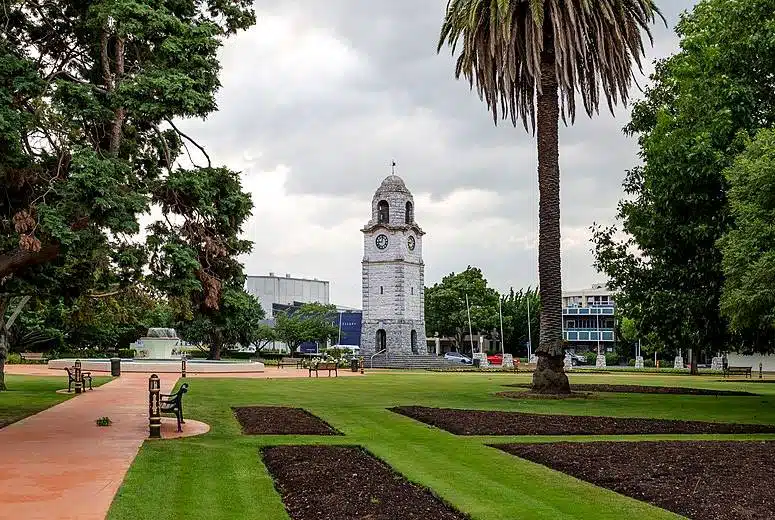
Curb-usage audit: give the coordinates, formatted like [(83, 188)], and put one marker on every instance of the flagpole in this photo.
[(470, 331), (500, 311), (339, 341)]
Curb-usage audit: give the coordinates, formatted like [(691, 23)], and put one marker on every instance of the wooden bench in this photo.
[(324, 366), (289, 362), (173, 404), (33, 356), (85, 378), (746, 371)]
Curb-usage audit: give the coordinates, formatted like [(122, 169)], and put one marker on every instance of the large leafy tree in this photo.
[(748, 250), (515, 306), (310, 322), (237, 321), (194, 251), (667, 268), (446, 313), (89, 90), (529, 60)]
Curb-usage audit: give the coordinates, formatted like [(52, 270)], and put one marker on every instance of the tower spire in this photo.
[(393, 168)]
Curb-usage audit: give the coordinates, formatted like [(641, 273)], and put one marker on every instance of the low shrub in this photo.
[(127, 353), (104, 421), (591, 357), (13, 359), (611, 358)]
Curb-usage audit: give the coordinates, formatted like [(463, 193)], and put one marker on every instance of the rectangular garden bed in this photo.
[(486, 422), (346, 482), (645, 389), (281, 420), (702, 480)]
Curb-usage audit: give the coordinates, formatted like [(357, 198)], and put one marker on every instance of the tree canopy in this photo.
[(748, 249), (445, 306), (89, 91), (668, 269), (313, 322)]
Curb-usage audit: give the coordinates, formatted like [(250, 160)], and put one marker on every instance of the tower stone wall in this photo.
[(393, 274)]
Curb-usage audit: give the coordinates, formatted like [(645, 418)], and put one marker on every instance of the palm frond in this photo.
[(593, 45)]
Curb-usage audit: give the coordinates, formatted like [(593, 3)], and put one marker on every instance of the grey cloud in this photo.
[(403, 103)]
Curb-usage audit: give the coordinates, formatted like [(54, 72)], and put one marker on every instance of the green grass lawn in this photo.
[(220, 475), (27, 395)]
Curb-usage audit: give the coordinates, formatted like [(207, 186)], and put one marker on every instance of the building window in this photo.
[(383, 212), (381, 340), (409, 216), (414, 341), (571, 324), (412, 290), (381, 290)]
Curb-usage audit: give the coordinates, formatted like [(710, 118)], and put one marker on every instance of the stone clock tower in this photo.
[(393, 274)]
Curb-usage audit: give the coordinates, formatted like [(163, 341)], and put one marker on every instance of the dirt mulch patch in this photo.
[(549, 397), (280, 420), (485, 422), (708, 480), (638, 389), (346, 482)]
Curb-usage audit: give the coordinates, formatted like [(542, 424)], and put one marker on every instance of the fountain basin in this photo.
[(162, 366)]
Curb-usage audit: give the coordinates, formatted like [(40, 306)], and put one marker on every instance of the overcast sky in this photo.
[(320, 96)]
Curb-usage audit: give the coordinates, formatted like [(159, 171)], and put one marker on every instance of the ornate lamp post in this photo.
[(154, 415)]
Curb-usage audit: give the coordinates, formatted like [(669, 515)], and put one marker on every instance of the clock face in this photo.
[(382, 241), (410, 243)]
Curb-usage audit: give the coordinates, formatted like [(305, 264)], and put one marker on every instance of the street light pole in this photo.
[(500, 312), (470, 331)]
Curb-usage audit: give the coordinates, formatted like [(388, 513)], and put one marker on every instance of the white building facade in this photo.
[(286, 290), (393, 274)]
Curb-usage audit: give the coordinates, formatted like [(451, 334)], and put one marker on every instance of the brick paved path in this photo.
[(58, 464)]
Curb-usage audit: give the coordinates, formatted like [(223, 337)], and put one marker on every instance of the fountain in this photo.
[(157, 344), (159, 351)]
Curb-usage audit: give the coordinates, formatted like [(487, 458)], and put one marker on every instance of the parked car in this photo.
[(577, 359), (457, 357), (495, 359)]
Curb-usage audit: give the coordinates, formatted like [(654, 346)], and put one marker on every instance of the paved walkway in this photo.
[(59, 465)]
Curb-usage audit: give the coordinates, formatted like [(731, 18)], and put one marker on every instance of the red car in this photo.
[(495, 359)]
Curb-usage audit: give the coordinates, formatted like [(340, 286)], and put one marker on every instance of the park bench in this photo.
[(33, 356), (289, 362), (746, 371), (173, 404), (324, 366), (85, 379)]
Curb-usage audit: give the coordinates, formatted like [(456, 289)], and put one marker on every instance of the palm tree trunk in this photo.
[(549, 376)]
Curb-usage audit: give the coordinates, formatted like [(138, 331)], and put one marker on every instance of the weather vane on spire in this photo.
[(394, 168)]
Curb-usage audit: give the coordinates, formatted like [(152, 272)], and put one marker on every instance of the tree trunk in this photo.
[(216, 344), (3, 354), (693, 360), (549, 376)]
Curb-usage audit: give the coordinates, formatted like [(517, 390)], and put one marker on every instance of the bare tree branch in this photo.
[(201, 149)]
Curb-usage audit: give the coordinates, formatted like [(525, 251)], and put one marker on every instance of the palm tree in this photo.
[(529, 59)]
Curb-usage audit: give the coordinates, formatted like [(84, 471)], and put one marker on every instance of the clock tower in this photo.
[(393, 274)]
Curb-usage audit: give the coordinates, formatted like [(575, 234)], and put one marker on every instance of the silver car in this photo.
[(457, 357)]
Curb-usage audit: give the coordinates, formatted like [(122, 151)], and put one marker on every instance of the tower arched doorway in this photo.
[(414, 342), (381, 343)]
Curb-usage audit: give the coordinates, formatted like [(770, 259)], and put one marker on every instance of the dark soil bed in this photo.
[(484, 422), (279, 420), (638, 389), (707, 480), (346, 482), (532, 395)]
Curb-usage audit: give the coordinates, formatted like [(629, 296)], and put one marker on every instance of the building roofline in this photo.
[(274, 276)]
